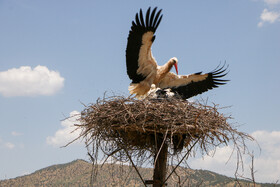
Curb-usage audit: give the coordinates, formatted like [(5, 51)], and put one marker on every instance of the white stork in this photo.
[(143, 70)]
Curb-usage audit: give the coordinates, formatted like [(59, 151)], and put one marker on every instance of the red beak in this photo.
[(176, 67)]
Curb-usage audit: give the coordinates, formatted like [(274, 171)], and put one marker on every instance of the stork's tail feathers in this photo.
[(139, 89)]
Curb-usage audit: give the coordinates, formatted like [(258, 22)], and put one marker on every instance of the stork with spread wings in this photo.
[(144, 71)]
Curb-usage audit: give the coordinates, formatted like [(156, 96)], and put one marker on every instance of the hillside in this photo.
[(78, 173)]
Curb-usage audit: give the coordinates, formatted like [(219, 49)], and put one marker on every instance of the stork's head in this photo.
[(174, 62)]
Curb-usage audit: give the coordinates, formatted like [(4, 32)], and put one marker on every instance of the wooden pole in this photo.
[(160, 160)]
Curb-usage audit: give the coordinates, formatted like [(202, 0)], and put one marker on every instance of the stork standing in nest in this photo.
[(144, 71)]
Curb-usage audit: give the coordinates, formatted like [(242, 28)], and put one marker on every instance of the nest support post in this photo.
[(160, 163)]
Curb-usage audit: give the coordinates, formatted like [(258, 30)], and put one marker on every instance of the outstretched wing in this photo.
[(139, 60), (190, 85)]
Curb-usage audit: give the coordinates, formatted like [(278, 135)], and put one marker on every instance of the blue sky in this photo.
[(56, 54)]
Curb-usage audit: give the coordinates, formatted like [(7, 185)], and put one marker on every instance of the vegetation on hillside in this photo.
[(78, 173)]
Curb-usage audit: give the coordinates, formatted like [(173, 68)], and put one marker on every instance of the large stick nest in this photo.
[(117, 122)]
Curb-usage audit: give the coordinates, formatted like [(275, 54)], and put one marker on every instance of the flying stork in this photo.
[(144, 71)]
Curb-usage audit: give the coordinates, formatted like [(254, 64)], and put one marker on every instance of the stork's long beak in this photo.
[(176, 67)]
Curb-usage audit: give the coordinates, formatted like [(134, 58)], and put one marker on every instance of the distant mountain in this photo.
[(78, 173)]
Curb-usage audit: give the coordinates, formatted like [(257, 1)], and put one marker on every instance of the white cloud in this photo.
[(68, 131), (14, 133), (25, 81), (7, 145), (10, 145), (272, 2), (268, 142), (266, 163), (268, 16), (219, 163)]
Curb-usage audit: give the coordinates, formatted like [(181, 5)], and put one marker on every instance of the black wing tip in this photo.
[(150, 22), (212, 81), (219, 72)]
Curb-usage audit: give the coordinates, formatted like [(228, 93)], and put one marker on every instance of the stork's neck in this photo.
[(162, 71), (166, 67), (169, 65)]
